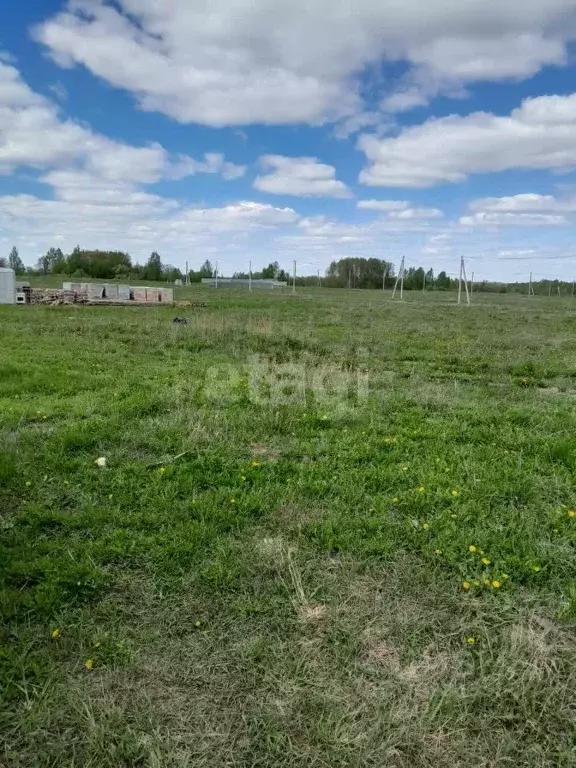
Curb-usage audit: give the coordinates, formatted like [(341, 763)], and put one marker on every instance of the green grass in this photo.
[(269, 584)]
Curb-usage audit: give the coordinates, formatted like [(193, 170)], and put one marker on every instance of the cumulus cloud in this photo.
[(528, 209), (299, 176), (540, 134), (400, 209), (33, 134), (295, 61)]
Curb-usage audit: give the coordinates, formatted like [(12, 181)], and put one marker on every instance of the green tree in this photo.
[(153, 269), (52, 261), (15, 262)]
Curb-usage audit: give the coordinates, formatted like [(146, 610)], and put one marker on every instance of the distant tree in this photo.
[(103, 265), (171, 274), (3, 262), (443, 282), (153, 268), (52, 261), (15, 262)]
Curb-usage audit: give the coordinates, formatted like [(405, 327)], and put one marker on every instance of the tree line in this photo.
[(352, 272)]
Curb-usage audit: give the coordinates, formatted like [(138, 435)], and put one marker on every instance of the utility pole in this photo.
[(250, 276), (572, 295), (216, 274), (549, 290), (472, 283), (530, 286), (384, 276), (319, 281), (294, 278), (463, 277), (424, 283), (400, 278), (187, 279)]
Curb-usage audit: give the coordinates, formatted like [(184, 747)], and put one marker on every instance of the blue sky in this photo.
[(262, 130)]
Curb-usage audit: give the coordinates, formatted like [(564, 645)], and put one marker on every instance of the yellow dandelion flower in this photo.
[(472, 548), (466, 585), (28, 483), (536, 568), (421, 489), (162, 470), (89, 664), (496, 584), (255, 463), (404, 468), (572, 513), (437, 551), (425, 526), (56, 634), (485, 561), (470, 640), (232, 501), (454, 492), (395, 500), (198, 623)]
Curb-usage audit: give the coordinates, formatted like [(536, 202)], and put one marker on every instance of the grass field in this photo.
[(376, 570)]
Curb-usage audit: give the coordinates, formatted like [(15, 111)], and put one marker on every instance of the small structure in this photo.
[(103, 293), (233, 282), (7, 286)]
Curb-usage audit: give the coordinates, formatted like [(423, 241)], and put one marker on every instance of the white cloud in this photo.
[(383, 205), (540, 134), (528, 209), (291, 61), (33, 134), (489, 219), (400, 210), (299, 176)]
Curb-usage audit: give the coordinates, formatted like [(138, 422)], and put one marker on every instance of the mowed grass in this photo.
[(373, 575)]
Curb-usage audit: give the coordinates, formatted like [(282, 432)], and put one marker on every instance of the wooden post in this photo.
[(294, 278), (250, 277)]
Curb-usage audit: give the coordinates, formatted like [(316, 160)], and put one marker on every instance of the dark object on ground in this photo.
[(180, 321)]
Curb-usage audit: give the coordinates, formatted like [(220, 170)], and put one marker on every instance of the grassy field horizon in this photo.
[(317, 530)]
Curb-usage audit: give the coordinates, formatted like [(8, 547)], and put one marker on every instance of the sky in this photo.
[(273, 130)]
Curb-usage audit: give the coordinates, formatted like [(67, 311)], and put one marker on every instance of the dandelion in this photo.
[(437, 551), (197, 623), (425, 526), (470, 640), (395, 500), (89, 664), (421, 489), (572, 513), (466, 585), (485, 561), (454, 492), (496, 584), (404, 468), (28, 483), (56, 634), (162, 470), (472, 548), (101, 462), (536, 568), (255, 463), (232, 501)]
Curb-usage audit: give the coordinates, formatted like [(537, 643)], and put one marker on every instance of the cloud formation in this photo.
[(299, 176), (294, 61), (539, 134)]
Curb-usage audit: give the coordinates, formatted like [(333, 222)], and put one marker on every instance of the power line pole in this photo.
[(250, 276), (187, 280), (294, 278), (216, 275), (400, 277), (461, 277), (319, 281), (384, 275), (530, 286)]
